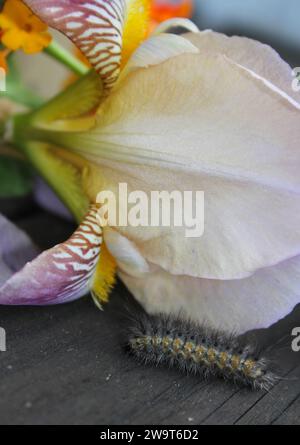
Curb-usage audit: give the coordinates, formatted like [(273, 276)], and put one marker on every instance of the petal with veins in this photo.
[(94, 26), (61, 274)]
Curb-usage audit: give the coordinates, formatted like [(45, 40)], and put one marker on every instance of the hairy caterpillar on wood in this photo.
[(161, 340)]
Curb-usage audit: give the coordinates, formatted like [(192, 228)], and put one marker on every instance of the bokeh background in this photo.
[(273, 21)]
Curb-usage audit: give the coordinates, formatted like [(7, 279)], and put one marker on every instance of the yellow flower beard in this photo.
[(104, 277), (136, 27)]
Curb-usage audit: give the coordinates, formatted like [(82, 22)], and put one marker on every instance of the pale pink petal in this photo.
[(60, 274), (94, 26)]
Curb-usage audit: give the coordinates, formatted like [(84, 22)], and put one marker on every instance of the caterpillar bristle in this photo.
[(200, 350)]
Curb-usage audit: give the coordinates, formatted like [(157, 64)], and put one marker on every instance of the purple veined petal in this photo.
[(16, 249), (60, 274), (94, 26)]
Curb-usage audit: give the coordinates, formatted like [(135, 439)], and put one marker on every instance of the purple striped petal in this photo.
[(94, 26), (60, 274)]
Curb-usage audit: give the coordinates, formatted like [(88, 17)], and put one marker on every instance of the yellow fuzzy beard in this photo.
[(104, 277), (136, 26)]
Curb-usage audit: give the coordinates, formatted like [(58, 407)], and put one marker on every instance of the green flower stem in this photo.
[(62, 55), (65, 180), (25, 130)]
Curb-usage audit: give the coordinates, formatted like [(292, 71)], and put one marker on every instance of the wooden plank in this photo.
[(65, 365), (244, 401), (270, 407), (291, 415)]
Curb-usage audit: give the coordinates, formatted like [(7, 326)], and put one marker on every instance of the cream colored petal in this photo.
[(233, 305), (158, 49), (203, 123), (125, 252), (181, 22), (251, 54)]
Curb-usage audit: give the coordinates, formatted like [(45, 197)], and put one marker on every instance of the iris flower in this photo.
[(199, 111)]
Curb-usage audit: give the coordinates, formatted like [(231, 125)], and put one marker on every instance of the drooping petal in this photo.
[(231, 305), (205, 123), (61, 274), (94, 26)]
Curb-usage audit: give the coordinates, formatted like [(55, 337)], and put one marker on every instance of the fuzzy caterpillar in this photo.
[(162, 340)]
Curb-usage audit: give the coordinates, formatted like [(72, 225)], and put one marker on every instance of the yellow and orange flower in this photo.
[(166, 9), (21, 29), (162, 10), (3, 62)]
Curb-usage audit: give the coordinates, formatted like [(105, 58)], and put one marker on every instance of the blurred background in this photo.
[(276, 22)]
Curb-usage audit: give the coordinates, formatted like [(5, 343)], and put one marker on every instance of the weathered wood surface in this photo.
[(65, 364)]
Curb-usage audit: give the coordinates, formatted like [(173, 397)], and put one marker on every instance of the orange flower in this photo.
[(166, 9), (3, 55), (21, 29)]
